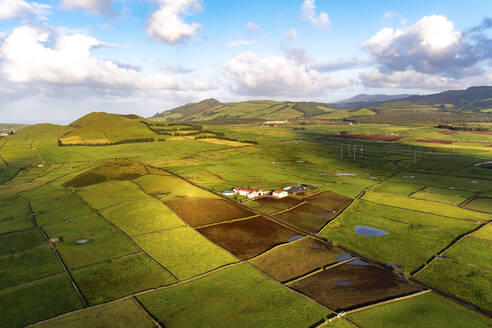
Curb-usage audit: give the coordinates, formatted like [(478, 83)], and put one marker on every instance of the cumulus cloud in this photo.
[(291, 33), (274, 76), (11, 9), (431, 50), (236, 43), (93, 6), (166, 24), (308, 11), (252, 27), (42, 54)]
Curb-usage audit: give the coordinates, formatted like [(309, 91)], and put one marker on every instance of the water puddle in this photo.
[(474, 181), (344, 257), (341, 282), (160, 196), (409, 176), (346, 174), (358, 262), (291, 239), (82, 241), (367, 231)]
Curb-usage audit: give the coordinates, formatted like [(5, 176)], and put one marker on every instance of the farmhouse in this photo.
[(250, 193), (280, 194)]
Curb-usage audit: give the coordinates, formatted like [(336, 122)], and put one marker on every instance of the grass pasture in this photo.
[(352, 284), (171, 186), (97, 248), (480, 204), (108, 281), (288, 261), (15, 225), (234, 297), (77, 227), (406, 245), (469, 283), (142, 216), (248, 238), (21, 241), (399, 188), (105, 194), (473, 251), (28, 266), (484, 233), (38, 301), (451, 199), (19, 209), (64, 213), (126, 313), (428, 310), (184, 252), (425, 206)]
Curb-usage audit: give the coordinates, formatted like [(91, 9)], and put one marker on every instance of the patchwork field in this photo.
[(139, 234)]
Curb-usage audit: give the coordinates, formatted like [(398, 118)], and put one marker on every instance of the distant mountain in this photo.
[(213, 111), (372, 98), (473, 99)]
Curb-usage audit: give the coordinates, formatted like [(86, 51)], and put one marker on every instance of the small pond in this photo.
[(341, 282), (291, 239), (367, 231), (82, 241)]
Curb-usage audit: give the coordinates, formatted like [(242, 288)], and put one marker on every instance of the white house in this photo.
[(280, 194)]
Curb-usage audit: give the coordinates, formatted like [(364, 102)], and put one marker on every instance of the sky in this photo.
[(61, 59)]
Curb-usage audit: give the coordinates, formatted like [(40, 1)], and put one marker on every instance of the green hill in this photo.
[(474, 99), (213, 111)]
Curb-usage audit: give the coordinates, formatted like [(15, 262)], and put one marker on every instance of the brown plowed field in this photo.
[(329, 200), (292, 260), (248, 238), (270, 205), (350, 285), (307, 217), (203, 211)]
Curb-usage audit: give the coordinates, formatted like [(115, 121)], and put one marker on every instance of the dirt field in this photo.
[(449, 132), (292, 260), (202, 211), (306, 216), (329, 200), (248, 238), (375, 137), (350, 285), (270, 205), (436, 141)]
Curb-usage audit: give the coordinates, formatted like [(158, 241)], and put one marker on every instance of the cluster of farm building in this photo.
[(255, 193)]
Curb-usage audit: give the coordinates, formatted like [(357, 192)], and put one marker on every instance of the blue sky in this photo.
[(60, 59)]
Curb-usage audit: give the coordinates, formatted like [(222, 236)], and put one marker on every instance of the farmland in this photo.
[(390, 229)]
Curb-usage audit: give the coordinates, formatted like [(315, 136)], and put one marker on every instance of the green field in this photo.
[(237, 297), (429, 309), (184, 252)]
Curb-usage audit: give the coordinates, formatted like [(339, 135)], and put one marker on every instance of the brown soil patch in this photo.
[(368, 284), (449, 132), (202, 211), (436, 141), (248, 238), (307, 217), (375, 137), (480, 132), (329, 200), (295, 259), (270, 205)]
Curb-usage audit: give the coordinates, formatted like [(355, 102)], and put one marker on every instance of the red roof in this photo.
[(278, 191)]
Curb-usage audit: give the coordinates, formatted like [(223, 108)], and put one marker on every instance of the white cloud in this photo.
[(94, 6), (166, 24), (271, 76), (11, 9), (411, 79), (430, 51), (291, 34), (342, 64), (252, 27), (240, 43), (308, 11), (41, 54)]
